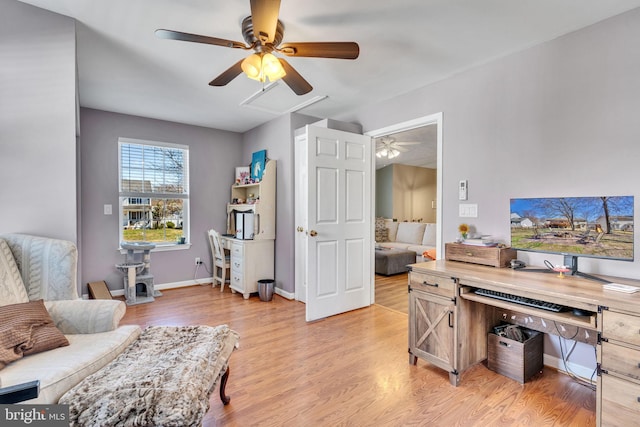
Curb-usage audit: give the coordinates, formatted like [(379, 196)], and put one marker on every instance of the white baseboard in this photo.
[(584, 372), (284, 294), (163, 286), (185, 283)]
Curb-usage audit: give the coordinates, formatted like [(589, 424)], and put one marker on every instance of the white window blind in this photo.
[(154, 191)]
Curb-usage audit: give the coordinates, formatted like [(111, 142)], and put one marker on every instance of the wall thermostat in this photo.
[(463, 190)]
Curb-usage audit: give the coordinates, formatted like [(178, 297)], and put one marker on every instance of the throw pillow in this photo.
[(410, 232), (27, 328), (429, 237), (429, 254), (12, 290), (382, 234), (392, 226)]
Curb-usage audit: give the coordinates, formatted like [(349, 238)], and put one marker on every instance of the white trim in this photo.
[(437, 119), (143, 195), (147, 142), (164, 248), (248, 102), (583, 372), (163, 286), (284, 294), (187, 283)]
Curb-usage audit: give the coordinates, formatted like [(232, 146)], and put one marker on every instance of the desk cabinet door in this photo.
[(431, 329), (620, 402)]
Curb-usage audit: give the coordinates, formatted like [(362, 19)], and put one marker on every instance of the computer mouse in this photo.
[(581, 312)]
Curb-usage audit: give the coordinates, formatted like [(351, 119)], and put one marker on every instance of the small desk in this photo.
[(251, 260), (448, 323)]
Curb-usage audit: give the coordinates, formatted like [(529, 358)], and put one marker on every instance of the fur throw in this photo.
[(164, 378)]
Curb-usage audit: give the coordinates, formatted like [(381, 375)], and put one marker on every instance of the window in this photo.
[(154, 191)]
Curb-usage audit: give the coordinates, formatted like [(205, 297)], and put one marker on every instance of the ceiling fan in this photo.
[(389, 148), (263, 33)]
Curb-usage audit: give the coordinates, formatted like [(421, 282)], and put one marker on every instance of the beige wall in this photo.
[(414, 190)]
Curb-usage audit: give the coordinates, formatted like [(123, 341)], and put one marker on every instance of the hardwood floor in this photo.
[(353, 370), (391, 292)]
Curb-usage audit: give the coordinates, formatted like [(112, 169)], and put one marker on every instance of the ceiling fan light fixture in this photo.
[(386, 152), (272, 67), (252, 67), (260, 66)]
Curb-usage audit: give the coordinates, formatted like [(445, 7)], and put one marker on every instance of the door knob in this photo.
[(299, 229), (313, 233)]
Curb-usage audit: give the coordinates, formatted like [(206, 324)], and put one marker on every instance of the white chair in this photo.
[(221, 260)]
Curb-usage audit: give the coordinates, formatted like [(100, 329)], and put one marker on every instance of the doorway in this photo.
[(392, 136)]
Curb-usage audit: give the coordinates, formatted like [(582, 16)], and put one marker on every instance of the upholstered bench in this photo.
[(164, 378), (393, 261)]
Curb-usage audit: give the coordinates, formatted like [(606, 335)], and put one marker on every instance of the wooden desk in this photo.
[(448, 323)]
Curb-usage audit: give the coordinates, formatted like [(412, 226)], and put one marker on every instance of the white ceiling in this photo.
[(424, 154), (404, 45)]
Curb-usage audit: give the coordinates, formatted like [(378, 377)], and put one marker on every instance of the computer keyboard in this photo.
[(521, 300)]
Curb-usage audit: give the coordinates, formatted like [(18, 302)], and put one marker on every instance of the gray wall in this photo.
[(384, 192), (213, 155), (37, 122), (276, 137), (559, 119)]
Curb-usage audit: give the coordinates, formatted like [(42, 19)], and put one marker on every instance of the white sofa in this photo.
[(412, 236), (47, 269)]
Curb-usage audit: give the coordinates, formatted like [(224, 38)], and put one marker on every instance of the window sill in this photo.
[(164, 248)]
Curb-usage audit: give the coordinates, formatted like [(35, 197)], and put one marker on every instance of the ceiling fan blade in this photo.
[(264, 16), (339, 50), (227, 75), (407, 143), (294, 80), (186, 37)]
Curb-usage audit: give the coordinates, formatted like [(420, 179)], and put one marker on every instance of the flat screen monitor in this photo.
[(596, 227)]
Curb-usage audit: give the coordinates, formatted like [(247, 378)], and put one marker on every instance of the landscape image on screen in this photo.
[(585, 226)]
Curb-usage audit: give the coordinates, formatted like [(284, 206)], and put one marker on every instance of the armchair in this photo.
[(48, 271)]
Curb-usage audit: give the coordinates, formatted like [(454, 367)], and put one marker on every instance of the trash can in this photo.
[(265, 289)]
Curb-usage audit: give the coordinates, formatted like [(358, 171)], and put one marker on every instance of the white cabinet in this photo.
[(251, 260)]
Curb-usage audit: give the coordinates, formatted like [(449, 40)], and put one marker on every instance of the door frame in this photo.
[(430, 119)]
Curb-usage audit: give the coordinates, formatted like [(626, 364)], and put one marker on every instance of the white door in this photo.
[(338, 229), (301, 217)]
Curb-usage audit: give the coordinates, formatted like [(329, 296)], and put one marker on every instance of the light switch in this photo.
[(468, 210), (107, 210)]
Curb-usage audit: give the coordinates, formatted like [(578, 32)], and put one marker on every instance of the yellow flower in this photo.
[(463, 228)]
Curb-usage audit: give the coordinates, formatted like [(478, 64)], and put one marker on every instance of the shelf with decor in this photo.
[(258, 198)]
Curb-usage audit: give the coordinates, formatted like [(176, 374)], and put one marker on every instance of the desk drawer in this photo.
[(620, 402), (236, 263), (432, 284), (623, 360), (621, 327), (495, 257), (237, 250), (236, 280)]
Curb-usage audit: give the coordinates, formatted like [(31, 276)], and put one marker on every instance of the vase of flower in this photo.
[(463, 229)]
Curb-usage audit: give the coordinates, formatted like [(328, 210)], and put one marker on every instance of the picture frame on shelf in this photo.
[(243, 174), (258, 162)]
